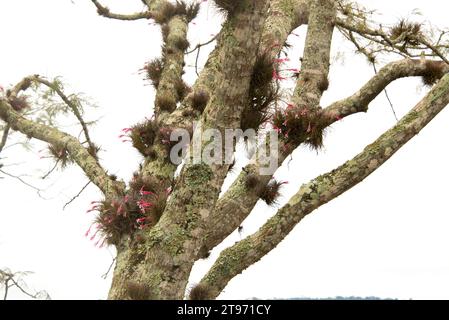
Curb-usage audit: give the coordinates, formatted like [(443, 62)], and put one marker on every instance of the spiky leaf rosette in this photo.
[(199, 100), (262, 94), (406, 32), (182, 89), (434, 72), (301, 124), (270, 193), (166, 102), (60, 154), (143, 135), (267, 192), (153, 70)]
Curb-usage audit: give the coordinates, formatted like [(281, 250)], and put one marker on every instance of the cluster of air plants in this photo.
[(181, 8), (268, 192), (296, 125), (434, 71), (140, 208), (262, 94), (406, 32), (19, 103), (145, 135), (199, 100), (166, 102), (153, 71)]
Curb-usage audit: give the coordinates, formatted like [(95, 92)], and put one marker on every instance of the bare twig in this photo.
[(105, 275), (104, 11), (77, 195)]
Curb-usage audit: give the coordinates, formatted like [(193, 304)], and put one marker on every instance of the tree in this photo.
[(160, 222)]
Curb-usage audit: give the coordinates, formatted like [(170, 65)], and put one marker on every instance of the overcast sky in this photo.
[(386, 237)]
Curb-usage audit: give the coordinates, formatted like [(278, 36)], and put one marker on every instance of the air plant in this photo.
[(199, 100), (434, 71), (142, 136), (200, 292)]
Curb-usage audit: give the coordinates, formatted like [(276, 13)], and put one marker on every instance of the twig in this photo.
[(104, 276), (388, 97), (76, 196)]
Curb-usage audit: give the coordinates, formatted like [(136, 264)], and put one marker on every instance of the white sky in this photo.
[(386, 237)]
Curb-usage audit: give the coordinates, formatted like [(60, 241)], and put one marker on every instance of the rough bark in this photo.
[(319, 191)]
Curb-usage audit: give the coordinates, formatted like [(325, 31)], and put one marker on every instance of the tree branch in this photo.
[(70, 104), (237, 203), (360, 100), (104, 11), (323, 189), (53, 136)]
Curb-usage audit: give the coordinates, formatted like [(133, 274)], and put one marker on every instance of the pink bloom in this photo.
[(281, 60), (126, 130), (277, 76), (141, 220), (88, 231), (145, 193), (93, 236), (143, 205)]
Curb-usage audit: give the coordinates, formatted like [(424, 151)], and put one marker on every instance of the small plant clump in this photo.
[(166, 103), (199, 100), (182, 89), (182, 44), (143, 135), (60, 154), (434, 71), (181, 8), (301, 124), (262, 94), (140, 208), (200, 292), (406, 32), (153, 71), (19, 103), (267, 192)]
